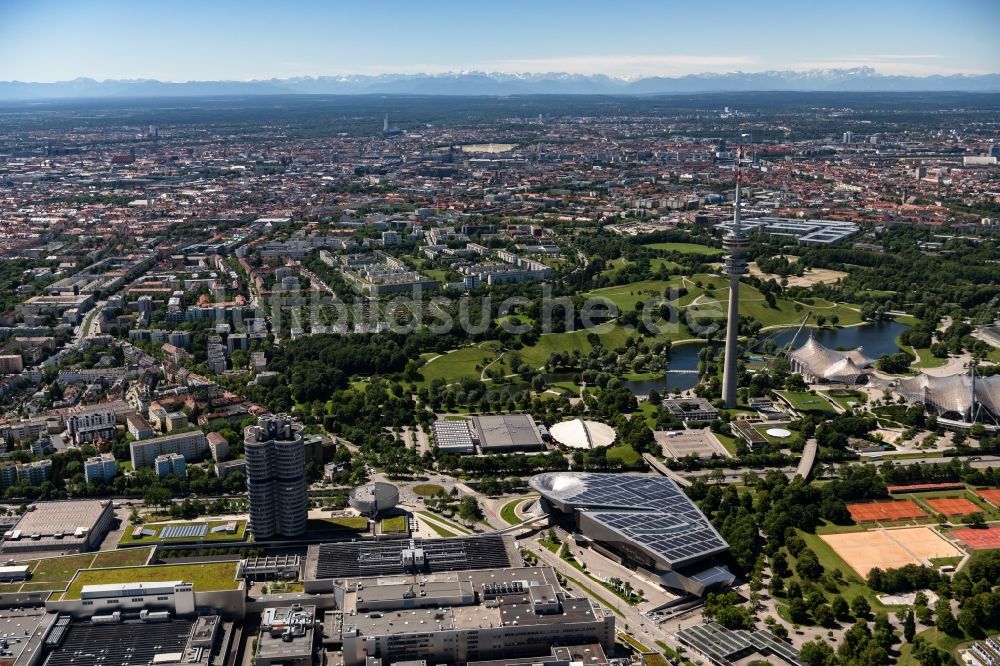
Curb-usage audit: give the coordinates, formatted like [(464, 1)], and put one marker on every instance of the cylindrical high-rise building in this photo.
[(736, 243), (276, 477)]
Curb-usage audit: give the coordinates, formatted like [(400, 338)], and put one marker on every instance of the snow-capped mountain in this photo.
[(861, 79)]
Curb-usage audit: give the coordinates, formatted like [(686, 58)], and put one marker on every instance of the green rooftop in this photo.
[(208, 577)]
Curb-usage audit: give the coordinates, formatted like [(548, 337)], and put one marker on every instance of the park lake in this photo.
[(876, 339)]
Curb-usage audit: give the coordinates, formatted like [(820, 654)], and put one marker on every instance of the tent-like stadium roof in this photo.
[(830, 364), (958, 394)]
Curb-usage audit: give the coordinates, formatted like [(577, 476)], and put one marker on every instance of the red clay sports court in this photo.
[(867, 512), (991, 495), (953, 506), (979, 539)]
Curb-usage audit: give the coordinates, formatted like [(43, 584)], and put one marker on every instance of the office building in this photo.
[(691, 409), (276, 477), (806, 232), (100, 469), (462, 616)]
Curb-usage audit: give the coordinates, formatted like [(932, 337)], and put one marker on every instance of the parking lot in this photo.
[(680, 443)]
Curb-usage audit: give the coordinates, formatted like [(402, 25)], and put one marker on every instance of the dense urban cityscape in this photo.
[(499, 379)]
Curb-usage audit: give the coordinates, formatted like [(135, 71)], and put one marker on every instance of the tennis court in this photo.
[(991, 495), (889, 549), (867, 512), (953, 506), (979, 539), (923, 542)]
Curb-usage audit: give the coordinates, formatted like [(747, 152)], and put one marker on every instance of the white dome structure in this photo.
[(580, 434), (373, 498)]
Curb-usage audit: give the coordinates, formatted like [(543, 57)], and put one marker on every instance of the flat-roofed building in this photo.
[(100, 469), (92, 423), (170, 463), (463, 616), (153, 639), (453, 437), (692, 409), (57, 304), (192, 445), (507, 432), (287, 636), (807, 232), (178, 589), (226, 467), (72, 526), (14, 572)]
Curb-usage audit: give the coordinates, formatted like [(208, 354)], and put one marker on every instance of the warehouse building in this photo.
[(72, 526), (453, 437), (501, 433)]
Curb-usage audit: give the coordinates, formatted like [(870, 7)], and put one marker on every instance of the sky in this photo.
[(183, 40)]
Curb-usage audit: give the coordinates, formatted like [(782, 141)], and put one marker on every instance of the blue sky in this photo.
[(178, 40)]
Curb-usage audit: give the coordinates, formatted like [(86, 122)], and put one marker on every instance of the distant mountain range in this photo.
[(862, 79)]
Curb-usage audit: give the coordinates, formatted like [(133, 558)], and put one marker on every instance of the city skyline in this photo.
[(255, 40)]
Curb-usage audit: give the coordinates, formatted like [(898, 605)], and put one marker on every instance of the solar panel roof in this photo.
[(119, 644), (651, 512)]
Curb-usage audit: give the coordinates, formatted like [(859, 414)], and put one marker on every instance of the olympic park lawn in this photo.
[(460, 363), (687, 248), (708, 300)]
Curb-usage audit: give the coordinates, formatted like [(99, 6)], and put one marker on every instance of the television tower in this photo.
[(736, 242)]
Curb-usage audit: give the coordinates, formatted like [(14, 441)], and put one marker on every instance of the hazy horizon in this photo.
[(56, 40)]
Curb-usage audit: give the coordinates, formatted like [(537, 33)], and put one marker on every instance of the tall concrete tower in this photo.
[(736, 242)]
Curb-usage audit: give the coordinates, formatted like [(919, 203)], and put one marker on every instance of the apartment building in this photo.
[(191, 445)]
